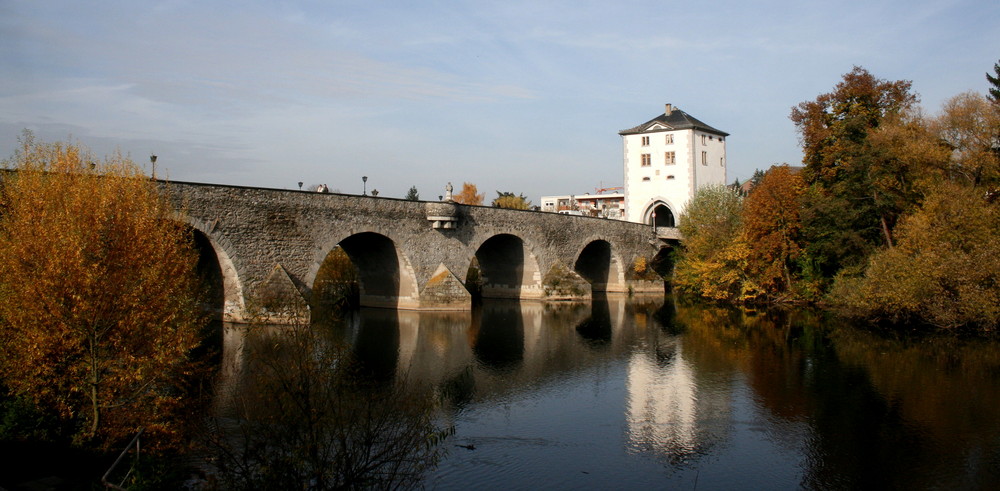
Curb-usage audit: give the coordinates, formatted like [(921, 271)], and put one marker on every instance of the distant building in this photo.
[(593, 205), (666, 160)]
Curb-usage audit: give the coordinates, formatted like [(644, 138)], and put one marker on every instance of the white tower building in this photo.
[(666, 160)]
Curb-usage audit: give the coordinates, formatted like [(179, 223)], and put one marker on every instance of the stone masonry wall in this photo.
[(257, 229)]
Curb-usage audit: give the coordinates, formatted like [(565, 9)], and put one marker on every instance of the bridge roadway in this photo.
[(269, 245)]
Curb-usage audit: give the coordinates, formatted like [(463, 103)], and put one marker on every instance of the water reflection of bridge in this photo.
[(506, 347)]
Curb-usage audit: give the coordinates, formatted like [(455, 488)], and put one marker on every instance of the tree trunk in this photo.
[(885, 231), (94, 380)]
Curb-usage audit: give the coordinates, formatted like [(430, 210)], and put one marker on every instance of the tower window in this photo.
[(645, 141), (646, 160)]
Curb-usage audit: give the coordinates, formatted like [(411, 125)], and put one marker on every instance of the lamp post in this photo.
[(364, 184), (300, 185), (152, 160)]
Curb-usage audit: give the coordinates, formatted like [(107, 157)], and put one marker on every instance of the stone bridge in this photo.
[(408, 254)]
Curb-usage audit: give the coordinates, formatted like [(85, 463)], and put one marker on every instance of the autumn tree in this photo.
[(771, 223), (853, 205), (506, 199), (710, 262), (469, 195), (945, 270), (969, 125), (99, 312)]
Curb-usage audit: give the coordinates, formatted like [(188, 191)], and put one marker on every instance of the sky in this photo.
[(519, 96)]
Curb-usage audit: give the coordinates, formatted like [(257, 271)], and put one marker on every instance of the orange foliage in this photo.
[(99, 311), (833, 126), (771, 224), (470, 195)]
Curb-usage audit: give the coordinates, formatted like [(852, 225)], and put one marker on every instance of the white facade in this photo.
[(594, 205), (666, 160)]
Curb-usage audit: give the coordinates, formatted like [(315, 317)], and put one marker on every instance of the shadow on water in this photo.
[(596, 329), (499, 335), (376, 343)]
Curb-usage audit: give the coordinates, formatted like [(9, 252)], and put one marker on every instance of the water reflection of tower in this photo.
[(673, 410)]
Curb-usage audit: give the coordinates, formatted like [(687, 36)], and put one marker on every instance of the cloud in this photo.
[(258, 92)]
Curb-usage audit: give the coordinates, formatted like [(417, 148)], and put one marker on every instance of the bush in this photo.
[(944, 271)]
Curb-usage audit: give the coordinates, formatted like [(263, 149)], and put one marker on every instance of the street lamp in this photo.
[(152, 160), (300, 185), (364, 189)]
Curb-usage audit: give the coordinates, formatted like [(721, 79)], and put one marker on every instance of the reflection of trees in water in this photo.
[(929, 410), (459, 391), (871, 410), (300, 415), (865, 410)]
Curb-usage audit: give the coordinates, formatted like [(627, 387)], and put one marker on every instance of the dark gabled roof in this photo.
[(676, 120)]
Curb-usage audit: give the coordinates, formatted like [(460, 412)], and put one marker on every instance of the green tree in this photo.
[(756, 178), (710, 262), (853, 204), (509, 200), (99, 312), (412, 194), (994, 88)]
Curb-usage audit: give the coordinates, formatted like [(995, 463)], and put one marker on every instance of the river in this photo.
[(654, 392)]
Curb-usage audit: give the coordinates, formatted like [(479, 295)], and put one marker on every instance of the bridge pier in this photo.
[(444, 291)]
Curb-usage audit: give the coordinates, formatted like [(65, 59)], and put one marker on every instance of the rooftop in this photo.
[(672, 119)]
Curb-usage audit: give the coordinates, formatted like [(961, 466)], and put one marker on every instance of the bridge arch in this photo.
[(599, 264), (385, 277), (508, 268), (659, 212), (214, 252)]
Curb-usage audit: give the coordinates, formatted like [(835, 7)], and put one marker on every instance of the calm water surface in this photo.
[(630, 393)]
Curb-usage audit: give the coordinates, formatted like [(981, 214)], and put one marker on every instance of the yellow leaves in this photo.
[(739, 251), (469, 195), (969, 124), (639, 266), (89, 255), (945, 269), (510, 201)]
